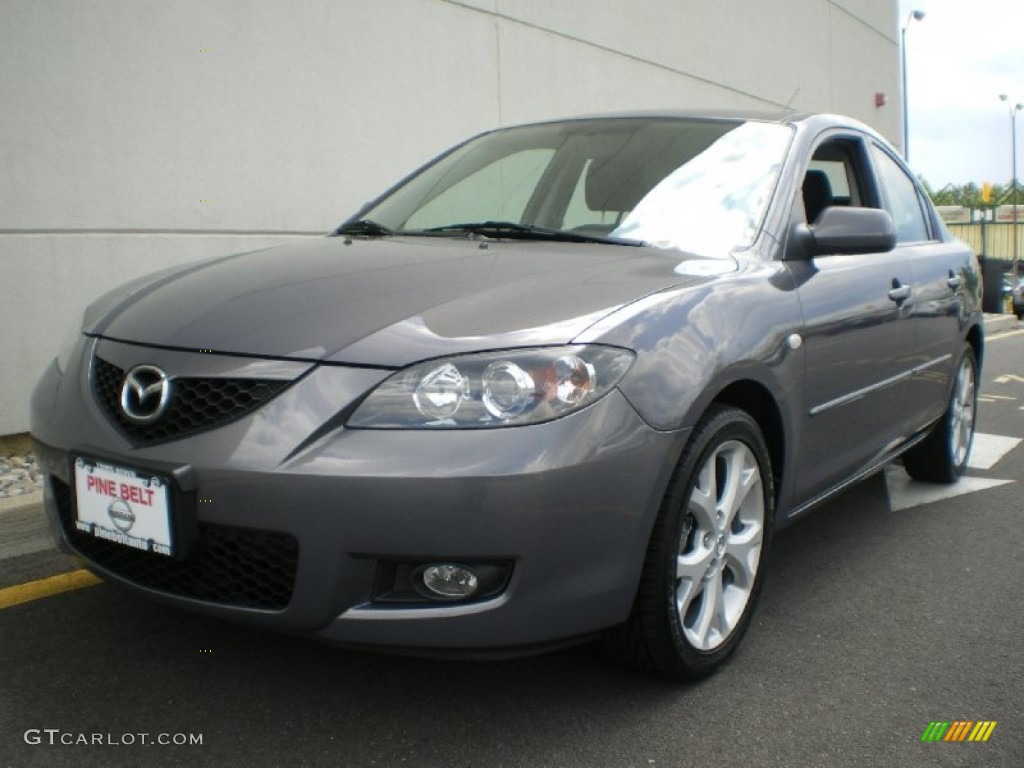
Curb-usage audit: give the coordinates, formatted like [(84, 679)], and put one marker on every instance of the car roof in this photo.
[(808, 124), (774, 116), (782, 117)]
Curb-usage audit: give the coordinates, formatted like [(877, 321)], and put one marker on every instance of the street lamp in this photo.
[(914, 16), (1014, 109)]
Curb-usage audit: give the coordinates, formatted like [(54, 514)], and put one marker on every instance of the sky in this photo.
[(960, 57)]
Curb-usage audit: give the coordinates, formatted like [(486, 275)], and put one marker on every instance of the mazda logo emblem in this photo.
[(145, 394)]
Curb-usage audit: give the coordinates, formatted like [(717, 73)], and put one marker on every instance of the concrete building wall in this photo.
[(136, 134)]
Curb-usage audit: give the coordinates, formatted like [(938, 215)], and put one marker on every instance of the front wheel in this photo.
[(942, 456), (704, 564)]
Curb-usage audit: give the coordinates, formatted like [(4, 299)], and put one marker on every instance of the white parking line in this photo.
[(905, 493), (989, 449)]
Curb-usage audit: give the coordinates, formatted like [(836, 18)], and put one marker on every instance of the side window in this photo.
[(900, 198), (838, 174), (833, 177)]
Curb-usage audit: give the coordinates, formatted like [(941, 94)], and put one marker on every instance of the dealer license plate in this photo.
[(123, 505)]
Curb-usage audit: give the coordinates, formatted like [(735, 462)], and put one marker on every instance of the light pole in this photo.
[(1014, 109), (914, 16)]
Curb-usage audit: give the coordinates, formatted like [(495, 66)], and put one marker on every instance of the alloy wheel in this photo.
[(962, 412), (720, 547)]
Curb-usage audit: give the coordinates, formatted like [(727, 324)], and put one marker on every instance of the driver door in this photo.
[(858, 339)]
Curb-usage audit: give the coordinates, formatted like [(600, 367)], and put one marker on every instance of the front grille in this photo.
[(233, 566), (196, 405)]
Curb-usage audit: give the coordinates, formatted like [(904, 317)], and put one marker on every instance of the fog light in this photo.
[(452, 582)]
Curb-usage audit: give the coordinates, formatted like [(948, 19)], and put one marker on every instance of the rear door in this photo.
[(942, 270)]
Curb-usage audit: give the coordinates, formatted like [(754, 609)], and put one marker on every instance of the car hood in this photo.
[(389, 302)]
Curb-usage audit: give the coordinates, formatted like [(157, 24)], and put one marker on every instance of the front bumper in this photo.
[(286, 489)]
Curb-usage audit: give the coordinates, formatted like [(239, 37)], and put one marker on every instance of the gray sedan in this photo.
[(560, 384)]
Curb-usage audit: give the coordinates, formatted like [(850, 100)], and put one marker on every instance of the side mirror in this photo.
[(844, 230)]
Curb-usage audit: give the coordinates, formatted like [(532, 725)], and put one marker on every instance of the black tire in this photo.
[(942, 456), (689, 643)]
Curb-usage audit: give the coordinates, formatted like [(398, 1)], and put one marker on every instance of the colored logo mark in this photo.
[(959, 730)]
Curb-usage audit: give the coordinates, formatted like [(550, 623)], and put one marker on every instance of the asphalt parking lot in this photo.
[(893, 607)]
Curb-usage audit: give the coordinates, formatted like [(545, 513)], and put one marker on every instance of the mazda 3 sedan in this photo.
[(562, 383)]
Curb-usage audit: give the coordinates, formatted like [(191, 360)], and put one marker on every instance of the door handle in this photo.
[(899, 292), (954, 281)]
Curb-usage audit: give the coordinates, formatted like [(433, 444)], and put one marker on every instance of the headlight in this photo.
[(493, 389)]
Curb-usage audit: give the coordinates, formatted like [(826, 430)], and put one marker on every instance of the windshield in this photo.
[(696, 185)]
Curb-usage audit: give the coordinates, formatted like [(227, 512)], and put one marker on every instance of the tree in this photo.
[(968, 194)]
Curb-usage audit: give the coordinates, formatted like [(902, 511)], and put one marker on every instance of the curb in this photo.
[(21, 503), (999, 323), (24, 529)]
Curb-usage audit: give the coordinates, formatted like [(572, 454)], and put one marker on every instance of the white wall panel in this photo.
[(229, 115), (863, 62)]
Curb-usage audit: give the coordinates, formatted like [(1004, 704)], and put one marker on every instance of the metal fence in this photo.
[(989, 238)]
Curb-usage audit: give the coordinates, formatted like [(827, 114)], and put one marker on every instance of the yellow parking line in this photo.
[(48, 587)]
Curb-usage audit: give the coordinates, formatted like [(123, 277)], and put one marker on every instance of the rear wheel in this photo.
[(704, 564), (942, 456)]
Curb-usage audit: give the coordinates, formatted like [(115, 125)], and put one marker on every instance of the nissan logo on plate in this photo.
[(121, 515), (145, 394)]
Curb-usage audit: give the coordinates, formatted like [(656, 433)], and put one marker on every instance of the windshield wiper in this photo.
[(364, 227), (512, 229)]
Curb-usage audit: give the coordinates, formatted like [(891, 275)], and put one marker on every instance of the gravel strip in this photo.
[(19, 475)]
